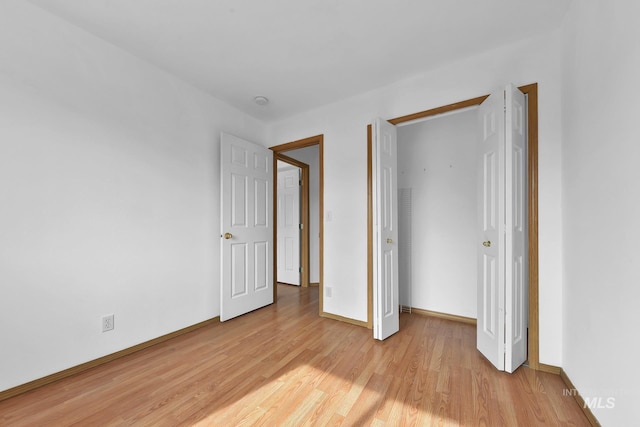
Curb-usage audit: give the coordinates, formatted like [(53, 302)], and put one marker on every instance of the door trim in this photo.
[(294, 145), (304, 217), (531, 90)]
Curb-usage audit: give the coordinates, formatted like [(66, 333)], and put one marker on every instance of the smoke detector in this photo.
[(261, 100)]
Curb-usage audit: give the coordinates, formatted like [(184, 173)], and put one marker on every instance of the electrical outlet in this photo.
[(107, 323), (327, 291)]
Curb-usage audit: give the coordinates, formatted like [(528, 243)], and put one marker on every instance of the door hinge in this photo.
[(300, 182), (300, 270), (301, 226)]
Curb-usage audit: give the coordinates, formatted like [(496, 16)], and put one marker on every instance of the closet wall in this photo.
[(437, 161)]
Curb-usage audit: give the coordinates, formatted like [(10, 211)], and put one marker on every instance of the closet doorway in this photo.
[(532, 206), (437, 212)]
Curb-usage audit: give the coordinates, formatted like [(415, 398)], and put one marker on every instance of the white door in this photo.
[(386, 320), (289, 225), (246, 227), (490, 325), (516, 251), (502, 258)]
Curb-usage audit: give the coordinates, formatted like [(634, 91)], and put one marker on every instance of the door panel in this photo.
[(261, 258), (386, 320), (387, 284), (239, 285), (238, 206), (246, 227), (262, 205)]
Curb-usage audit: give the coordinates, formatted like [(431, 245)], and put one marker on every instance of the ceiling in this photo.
[(302, 54)]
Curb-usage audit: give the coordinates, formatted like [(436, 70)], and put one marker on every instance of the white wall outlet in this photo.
[(107, 323), (327, 291)]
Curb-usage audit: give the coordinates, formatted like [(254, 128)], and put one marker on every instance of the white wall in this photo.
[(109, 191), (437, 160), (310, 156), (345, 170), (601, 207)]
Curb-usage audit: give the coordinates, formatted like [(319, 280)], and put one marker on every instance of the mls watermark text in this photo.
[(593, 401)]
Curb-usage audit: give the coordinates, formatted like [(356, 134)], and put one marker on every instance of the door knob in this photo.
[(487, 243), (228, 236), (389, 241)]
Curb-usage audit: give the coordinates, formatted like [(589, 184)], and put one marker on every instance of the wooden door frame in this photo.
[(317, 140), (304, 216), (531, 91)]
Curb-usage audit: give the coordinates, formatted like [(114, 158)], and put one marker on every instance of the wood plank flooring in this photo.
[(283, 365)]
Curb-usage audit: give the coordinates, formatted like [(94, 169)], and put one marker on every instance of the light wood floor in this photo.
[(284, 365)]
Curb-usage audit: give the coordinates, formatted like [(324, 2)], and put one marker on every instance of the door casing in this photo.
[(531, 91), (317, 140)]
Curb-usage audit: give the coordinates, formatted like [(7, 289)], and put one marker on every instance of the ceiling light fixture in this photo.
[(261, 100)]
